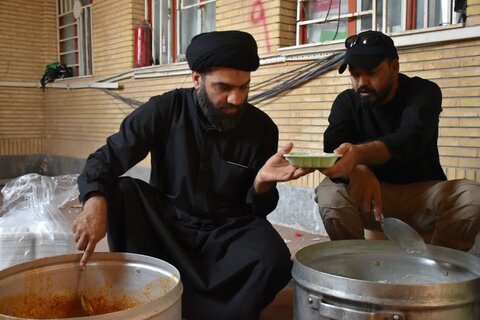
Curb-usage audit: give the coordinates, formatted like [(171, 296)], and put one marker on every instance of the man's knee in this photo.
[(333, 200), (331, 194), (278, 261), (125, 184), (275, 256), (343, 227), (341, 217), (466, 202), (275, 261), (468, 191)]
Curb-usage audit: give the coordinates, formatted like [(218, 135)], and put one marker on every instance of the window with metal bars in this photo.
[(75, 35), (327, 20), (174, 23)]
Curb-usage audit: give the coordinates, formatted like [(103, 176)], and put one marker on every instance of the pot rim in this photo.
[(146, 310), (420, 295)]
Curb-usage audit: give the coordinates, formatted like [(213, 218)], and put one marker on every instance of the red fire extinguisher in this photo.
[(143, 44)]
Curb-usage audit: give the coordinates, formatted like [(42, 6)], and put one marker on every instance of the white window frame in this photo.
[(165, 18), (376, 25), (83, 54)]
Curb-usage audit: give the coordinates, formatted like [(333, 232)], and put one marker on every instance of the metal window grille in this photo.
[(74, 33)]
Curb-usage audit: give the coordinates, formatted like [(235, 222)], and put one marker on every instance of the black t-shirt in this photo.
[(408, 126)]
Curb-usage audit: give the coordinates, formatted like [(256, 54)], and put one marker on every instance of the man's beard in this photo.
[(376, 98), (214, 113)]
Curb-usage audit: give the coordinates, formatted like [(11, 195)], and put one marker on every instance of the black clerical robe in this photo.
[(200, 211)]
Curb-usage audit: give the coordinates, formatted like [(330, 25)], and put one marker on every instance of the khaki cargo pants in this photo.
[(449, 209)]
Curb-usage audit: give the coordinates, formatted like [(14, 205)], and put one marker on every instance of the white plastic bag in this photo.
[(31, 224)]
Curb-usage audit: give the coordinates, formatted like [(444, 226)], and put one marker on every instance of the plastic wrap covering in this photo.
[(31, 224)]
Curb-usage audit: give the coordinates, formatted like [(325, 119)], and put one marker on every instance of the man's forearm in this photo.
[(370, 154), (373, 153)]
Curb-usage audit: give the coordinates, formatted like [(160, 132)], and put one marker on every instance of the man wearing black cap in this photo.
[(386, 128), (214, 165)]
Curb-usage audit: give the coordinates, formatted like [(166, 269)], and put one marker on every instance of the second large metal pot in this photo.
[(372, 279)]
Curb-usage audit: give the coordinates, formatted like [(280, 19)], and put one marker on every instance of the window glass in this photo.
[(195, 17), (68, 46), (175, 23), (86, 43), (439, 14), (365, 22), (327, 31), (395, 16), (326, 20), (161, 31), (68, 31), (209, 20), (420, 14), (320, 8), (189, 2), (190, 24)]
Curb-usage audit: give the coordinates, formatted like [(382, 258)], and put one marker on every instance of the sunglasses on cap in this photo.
[(365, 38)]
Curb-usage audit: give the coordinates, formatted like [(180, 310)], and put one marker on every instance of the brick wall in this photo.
[(268, 21), (113, 25), (73, 123), (473, 12), (27, 44)]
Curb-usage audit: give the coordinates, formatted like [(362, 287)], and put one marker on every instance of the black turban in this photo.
[(232, 49)]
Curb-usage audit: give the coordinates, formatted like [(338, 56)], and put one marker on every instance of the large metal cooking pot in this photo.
[(139, 287), (373, 279)]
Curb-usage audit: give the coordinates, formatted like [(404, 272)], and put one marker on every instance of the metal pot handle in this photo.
[(336, 312)]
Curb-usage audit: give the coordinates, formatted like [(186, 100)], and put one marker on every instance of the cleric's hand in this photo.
[(90, 226), (278, 169)]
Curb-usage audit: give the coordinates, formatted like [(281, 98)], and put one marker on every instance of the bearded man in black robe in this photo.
[(214, 168)]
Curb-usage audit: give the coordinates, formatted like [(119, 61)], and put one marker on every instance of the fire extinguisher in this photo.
[(143, 44)]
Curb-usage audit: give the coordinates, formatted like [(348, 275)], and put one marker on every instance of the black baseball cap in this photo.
[(367, 49)]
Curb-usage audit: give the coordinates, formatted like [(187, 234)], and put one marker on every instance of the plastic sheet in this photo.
[(31, 224)]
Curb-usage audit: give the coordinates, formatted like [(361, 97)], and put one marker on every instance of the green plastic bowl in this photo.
[(311, 160)]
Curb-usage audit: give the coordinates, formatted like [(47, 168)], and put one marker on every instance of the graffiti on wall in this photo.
[(258, 17)]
